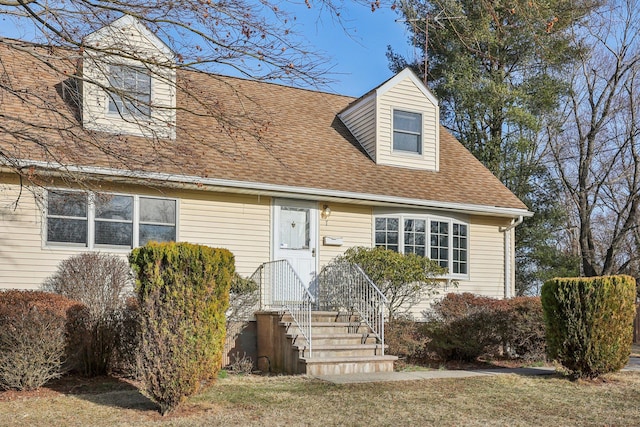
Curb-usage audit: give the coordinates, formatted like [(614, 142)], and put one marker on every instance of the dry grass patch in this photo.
[(282, 401)]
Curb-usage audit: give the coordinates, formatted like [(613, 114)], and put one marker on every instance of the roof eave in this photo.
[(267, 189)]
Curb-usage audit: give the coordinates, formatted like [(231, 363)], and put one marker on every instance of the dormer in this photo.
[(129, 81), (397, 123)]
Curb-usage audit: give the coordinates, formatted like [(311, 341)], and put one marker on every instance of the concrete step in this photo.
[(335, 339), (346, 365), (333, 351), (326, 328), (325, 316)]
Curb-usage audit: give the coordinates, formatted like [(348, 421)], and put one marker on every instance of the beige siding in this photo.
[(95, 105), (361, 122), (239, 223), (24, 263), (352, 223), (408, 97)]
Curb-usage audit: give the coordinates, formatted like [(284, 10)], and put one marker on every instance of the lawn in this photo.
[(297, 401)]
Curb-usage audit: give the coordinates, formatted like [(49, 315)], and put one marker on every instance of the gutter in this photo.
[(259, 188), (507, 254)]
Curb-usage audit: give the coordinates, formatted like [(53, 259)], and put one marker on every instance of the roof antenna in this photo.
[(428, 19)]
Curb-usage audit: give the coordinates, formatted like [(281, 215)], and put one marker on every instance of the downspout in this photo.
[(507, 254)]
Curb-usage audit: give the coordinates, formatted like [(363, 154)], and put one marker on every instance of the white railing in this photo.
[(282, 288), (344, 287)]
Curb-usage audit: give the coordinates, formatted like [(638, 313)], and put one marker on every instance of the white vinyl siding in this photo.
[(406, 96), (361, 122)]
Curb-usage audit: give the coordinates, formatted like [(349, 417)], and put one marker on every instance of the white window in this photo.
[(442, 240), (131, 91), (407, 131), (97, 220)]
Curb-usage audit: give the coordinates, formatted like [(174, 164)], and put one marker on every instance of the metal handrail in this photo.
[(282, 288), (344, 286)]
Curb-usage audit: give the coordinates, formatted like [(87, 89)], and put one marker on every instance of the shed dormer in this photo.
[(397, 123), (129, 81)]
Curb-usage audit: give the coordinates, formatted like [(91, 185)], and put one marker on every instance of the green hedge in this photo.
[(183, 292), (589, 323)]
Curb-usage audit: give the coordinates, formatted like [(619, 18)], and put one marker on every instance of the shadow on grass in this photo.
[(105, 391)]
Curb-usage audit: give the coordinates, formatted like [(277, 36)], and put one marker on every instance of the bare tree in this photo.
[(255, 39), (594, 144)]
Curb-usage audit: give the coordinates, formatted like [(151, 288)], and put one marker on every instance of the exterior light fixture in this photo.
[(326, 212)]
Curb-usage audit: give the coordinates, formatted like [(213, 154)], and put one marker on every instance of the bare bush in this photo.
[(33, 340), (100, 282), (97, 280), (242, 364)]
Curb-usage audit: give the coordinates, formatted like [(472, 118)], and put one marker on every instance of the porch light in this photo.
[(326, 212)]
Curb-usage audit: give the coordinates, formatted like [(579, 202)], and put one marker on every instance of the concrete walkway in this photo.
[(633, 365)]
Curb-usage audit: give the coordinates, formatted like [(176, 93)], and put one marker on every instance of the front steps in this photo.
[(341, 344)]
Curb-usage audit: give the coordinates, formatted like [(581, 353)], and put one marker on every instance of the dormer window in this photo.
[(131, 91), (407, 131)]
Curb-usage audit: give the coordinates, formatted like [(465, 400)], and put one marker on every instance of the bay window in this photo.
[(443, 240)]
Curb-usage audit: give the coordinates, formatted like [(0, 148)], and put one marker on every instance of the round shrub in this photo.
[(589, 323), (33, 337), (183, 293), (465, 326)]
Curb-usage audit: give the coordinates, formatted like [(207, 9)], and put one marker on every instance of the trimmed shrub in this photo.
[(404, 279), (183, 293), (99, 281), (405, 339), (466, 326), (33, 337), (589, 323)]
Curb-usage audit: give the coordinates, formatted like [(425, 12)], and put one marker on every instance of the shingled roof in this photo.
[(230, 131)]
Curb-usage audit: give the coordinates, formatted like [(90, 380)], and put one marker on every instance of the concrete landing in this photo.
[(429, 375), (373, 377)]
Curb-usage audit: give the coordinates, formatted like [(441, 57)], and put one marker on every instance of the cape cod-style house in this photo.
[(285, 178)]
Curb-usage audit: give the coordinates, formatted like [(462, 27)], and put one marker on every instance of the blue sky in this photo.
[(357, 54)]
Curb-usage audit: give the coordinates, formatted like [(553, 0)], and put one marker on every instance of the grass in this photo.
[(294, 401)]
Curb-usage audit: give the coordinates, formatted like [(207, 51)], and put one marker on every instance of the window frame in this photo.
[(420, 134), (132, 104), (91, 220), (429, 218)]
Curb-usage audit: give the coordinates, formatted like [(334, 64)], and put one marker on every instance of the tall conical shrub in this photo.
[(589, 323), (183, 293)]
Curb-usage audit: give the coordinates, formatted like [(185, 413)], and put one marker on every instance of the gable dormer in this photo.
[(129, 81), (397, 123)]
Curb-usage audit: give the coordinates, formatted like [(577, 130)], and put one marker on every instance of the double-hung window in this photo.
[(130, 90), (98, 220), (445, 241), (407, 131)]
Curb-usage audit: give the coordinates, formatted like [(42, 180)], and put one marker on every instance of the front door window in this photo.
[(294, 228)]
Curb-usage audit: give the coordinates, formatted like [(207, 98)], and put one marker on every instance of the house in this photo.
[(120, 152)]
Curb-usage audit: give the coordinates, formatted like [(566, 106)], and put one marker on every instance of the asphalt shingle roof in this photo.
[(233, 129)]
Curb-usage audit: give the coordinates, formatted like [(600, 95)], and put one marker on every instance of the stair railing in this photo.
[(282, 288), (344, 286)]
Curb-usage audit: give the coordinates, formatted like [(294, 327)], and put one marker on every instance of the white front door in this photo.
[(295, 236)]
